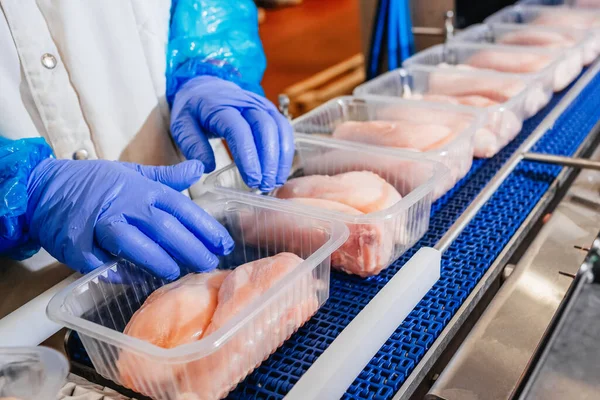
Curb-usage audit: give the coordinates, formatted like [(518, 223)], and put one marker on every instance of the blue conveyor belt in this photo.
[(463, 265)]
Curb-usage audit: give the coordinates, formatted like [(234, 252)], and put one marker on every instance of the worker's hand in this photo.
[(259, 137), (83, 211)]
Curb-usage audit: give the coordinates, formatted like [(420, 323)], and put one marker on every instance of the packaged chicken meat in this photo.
[(31, 373), (198, 305), (439, 132), (552, 66), (506, 100), (383, 197), (580, 21), (197, 337), (369, 248), (579, 44)]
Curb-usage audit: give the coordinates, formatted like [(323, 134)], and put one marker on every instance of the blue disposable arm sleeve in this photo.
[(17, 159), (214, 37)]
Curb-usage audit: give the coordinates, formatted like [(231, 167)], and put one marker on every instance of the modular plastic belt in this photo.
[(463, 265)]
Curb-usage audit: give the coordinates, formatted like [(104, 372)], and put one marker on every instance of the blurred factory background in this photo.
[(316, 49)]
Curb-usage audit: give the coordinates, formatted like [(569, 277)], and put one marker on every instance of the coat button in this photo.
[(81, 154), (49, 61)]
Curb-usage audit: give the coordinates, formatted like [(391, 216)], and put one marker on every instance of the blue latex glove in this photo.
[(259, 137), (83, 211)]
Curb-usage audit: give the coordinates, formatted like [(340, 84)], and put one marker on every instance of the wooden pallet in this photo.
[(335, 81)]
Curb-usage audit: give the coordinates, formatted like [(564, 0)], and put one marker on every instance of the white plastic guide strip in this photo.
[(338, 366), (29, 325)]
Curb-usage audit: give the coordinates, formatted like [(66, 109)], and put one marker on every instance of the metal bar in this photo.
[(449, 25), (512, 163), (564, 161), (419, 373)]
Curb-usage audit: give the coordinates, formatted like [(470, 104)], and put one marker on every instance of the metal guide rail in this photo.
[(465, 261)]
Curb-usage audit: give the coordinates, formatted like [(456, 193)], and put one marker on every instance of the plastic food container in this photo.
[(564, 3), (31, 373), (457, 154), (99, 305), (528, 14), (556, 75), (494, 33), (398, 227), (504, 120)]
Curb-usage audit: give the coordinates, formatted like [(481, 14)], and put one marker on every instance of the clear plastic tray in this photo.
[(556, 75), (563, 3), (457, 155), (99, 305), (584, 42), (504, 119), (31, 373), (527, 14), (398, 227)]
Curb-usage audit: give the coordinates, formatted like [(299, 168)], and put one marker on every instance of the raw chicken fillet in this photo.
[(365, 191), (198, 305), (463, 85), (501, 128), (574, 19), (405, 175), (503, 61), (400, 134), (369, 248), (415, 129), (524, 37), (568, 19), (167, 320), (456, 155), (215, 375), (494, 89)]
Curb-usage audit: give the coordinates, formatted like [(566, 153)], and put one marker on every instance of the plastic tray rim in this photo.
[(583, 36), (46, 356), (548, 70), (468, 134), (440, 172)]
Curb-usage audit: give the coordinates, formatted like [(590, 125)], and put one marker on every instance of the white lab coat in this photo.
[(89, 76)]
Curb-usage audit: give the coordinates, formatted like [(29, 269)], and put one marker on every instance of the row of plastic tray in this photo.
[(99, 305)]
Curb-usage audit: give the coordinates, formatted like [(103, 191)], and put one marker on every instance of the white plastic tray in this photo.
[(390, 232), (504, 119), (493, 33), (31, 373), (98, 308), (457, 155), (556, 75)]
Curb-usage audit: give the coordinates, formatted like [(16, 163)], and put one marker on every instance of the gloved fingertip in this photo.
[(209, 166), (168, 272), (266, 188), (227, 245), (210, 264), (172, 276), (194, 166), (252, 182)]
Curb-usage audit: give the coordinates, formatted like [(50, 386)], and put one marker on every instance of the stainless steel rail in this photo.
[(564, 161)]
